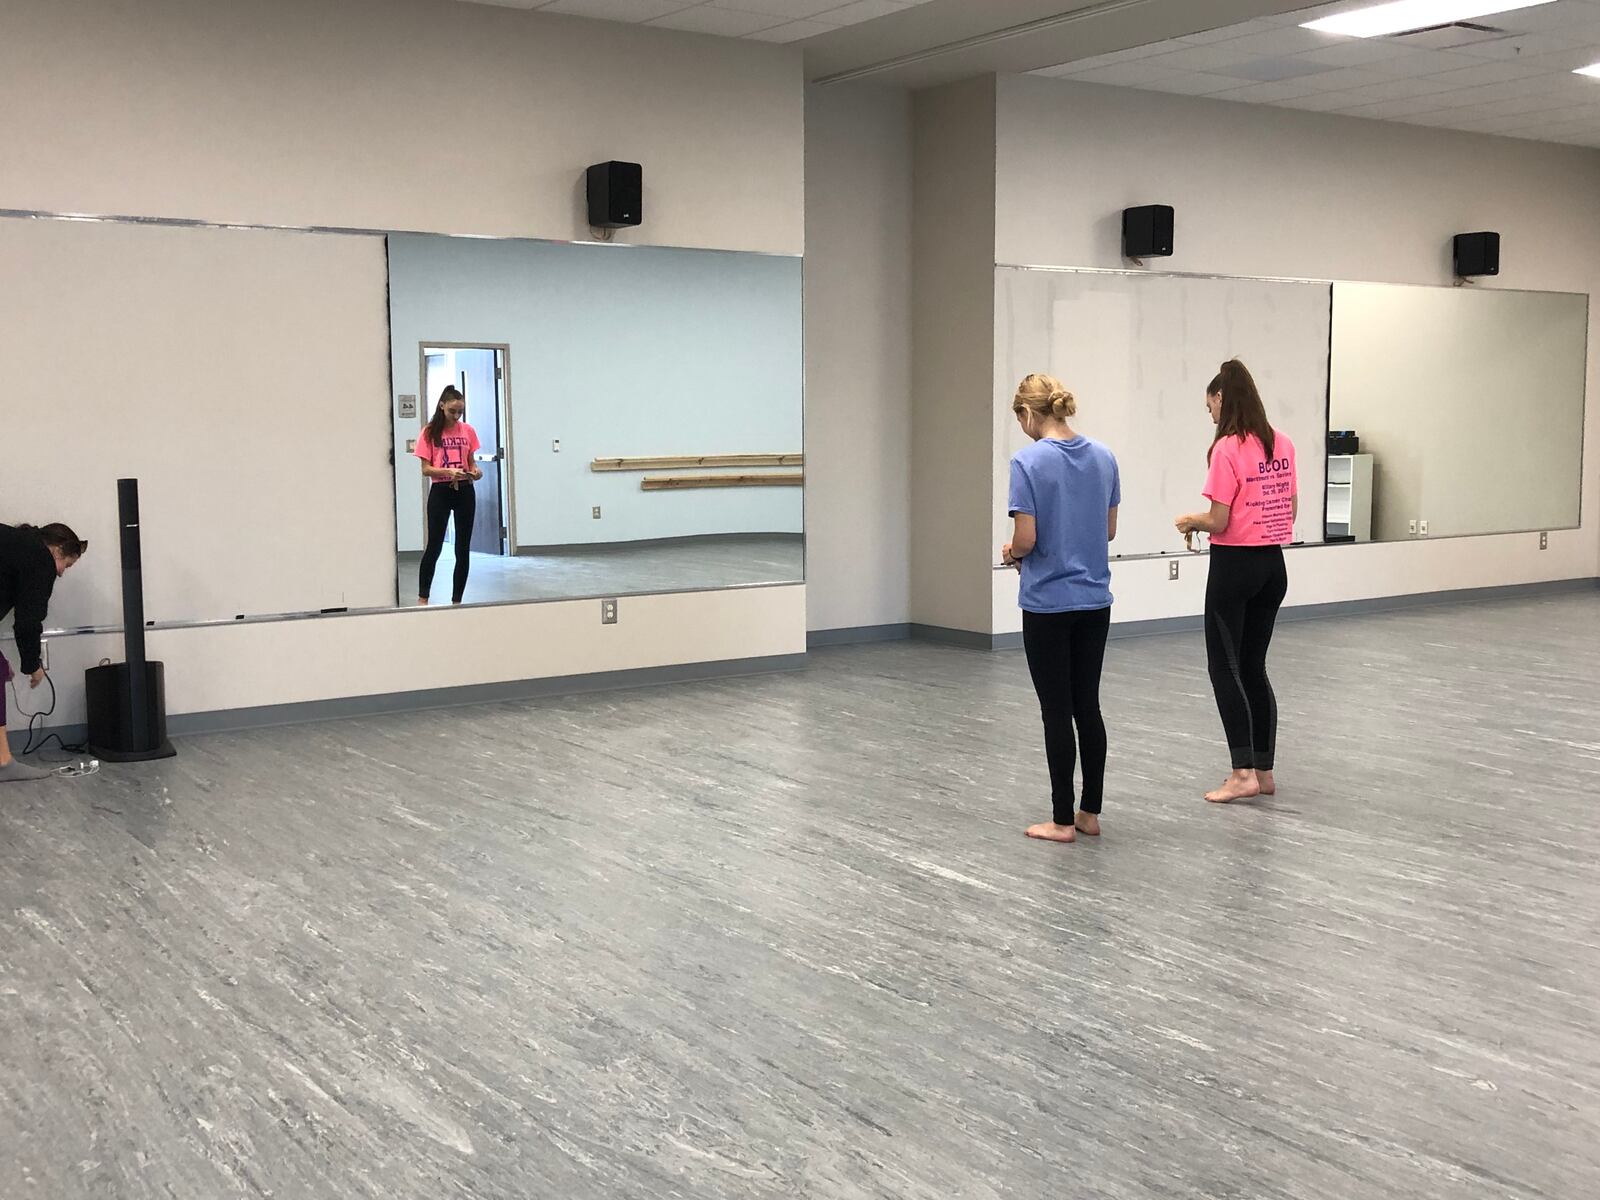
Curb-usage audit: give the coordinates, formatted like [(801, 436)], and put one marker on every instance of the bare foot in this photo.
[(1269, 786), (1049, 831), (1241, 785), (422, 602), (1088, 824)]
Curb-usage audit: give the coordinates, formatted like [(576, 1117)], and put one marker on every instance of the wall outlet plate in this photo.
[(1422, 528), (1413, 528), (555, 446), (596, 512), (1172, 569), (608, 612), (44, 653), (1544, 541)]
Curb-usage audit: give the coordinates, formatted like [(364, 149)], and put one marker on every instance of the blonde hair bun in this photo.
[(1044, 396)]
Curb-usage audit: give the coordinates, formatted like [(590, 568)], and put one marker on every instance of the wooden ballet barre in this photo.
[(685, 461), (667, 483)]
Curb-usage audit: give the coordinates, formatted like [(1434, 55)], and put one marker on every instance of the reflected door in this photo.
[(481, 375)]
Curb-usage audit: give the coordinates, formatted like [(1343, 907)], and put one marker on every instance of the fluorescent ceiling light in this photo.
[(1591, 69), (1404, 16)]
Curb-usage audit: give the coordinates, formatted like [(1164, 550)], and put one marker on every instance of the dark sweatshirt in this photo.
[(27, 577)]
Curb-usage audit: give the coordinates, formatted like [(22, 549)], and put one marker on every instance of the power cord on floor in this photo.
[(38, 740)]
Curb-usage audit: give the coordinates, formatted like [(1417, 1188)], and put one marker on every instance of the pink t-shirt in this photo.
[(460, 444), (1259, 493)]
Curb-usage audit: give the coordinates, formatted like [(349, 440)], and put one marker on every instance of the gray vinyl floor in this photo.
[(616, 571), (782, 937)]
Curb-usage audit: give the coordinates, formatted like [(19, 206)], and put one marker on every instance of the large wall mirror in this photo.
[(1454, 411), (1416, 412), (639, 413)]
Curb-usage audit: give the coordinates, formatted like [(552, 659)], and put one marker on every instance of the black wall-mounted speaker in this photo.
[(1147, 231), (1476, 254), (616, 195)]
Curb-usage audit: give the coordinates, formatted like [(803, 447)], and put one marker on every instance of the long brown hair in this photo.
[(59, 537), (436, 426), (1242, 411)]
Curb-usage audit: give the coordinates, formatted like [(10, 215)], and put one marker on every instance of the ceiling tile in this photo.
[(863, 10), (1268, 93), (1326, 101), (1292, 40), (1194, 84), (726, 22), (1228, 33), (1343, 78), (790, 10), (1201, 58), (1359, 52), (614, 10), (793, 31), (1128, 74)]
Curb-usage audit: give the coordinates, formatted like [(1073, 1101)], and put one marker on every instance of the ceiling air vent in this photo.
[(1451, 36)]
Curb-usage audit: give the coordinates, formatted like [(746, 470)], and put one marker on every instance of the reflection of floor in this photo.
[(676, 567)]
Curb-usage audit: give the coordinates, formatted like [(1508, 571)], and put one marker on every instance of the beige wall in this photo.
[(858, 356), (1263, 191), (953, 332), (425, 115)]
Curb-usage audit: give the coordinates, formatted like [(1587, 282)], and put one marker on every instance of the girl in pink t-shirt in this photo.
[(1254, 501), (446, 447)]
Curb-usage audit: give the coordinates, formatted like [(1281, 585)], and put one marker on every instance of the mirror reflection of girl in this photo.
[(1064, 494), (1254, 502), (446, 448)]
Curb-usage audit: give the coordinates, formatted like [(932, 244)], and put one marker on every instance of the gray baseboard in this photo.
[(309, 711), (857, 635)]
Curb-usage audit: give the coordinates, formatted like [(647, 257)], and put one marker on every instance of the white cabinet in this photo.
[(1349, 513)]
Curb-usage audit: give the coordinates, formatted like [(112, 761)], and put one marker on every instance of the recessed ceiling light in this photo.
[(1403, 16), (1591, 69)]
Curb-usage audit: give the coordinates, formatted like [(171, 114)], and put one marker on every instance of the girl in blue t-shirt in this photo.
[(1064, 495)]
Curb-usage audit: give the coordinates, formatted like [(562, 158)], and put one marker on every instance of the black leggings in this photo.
[(1065, 652), (1244, 591), (443, 500)]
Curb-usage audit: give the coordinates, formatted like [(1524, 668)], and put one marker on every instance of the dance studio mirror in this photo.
[(635, 418), (1454, 411), (251, 380), (1416, 411)]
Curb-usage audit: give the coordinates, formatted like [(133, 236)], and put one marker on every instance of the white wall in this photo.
[(615, 352), (1263, 191), (1470, 401), (426, 115), (858, 356)]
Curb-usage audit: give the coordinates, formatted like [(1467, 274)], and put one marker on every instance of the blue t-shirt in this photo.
[(1067, 488)]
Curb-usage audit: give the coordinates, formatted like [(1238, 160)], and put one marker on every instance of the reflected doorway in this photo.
[(480, 372)]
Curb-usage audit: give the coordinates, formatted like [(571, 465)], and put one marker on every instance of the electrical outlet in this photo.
[(1413, 527), (596, 512), (555, 446), (608, 612), (1422, 529), (1172, 569), (1544, 541)]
